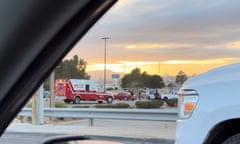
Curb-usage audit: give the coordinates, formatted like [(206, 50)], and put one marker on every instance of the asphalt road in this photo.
[(123, 131), (38, 138), (22, 138)]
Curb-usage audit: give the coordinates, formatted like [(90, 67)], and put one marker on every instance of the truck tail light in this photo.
[(65, 85), (187, 102), (61, 85)]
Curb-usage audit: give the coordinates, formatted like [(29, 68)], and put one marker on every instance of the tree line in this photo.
[(136, 79), (75, 68)]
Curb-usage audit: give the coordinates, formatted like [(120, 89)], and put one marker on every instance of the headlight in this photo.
[(187, 102)]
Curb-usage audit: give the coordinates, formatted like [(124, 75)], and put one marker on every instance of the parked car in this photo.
[(151, 96), (46, 94), (169, 96), (124, 96)]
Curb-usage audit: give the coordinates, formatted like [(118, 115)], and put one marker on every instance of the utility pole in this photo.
[(159, 68), (105, 54), (52, 98), (37, 107), (124, 65)]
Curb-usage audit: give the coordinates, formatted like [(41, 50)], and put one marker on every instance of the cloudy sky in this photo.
[(164, 36)]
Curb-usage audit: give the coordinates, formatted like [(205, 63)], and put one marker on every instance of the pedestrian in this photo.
[(157, 95), (139, 95)]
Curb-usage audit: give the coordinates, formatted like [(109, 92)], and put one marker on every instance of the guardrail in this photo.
[(93, 113)]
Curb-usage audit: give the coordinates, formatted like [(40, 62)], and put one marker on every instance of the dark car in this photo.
[(123, 96)]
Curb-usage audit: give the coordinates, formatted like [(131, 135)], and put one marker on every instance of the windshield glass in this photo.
[(122, 78)]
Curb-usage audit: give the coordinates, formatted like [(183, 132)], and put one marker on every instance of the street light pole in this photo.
[(105, 54)]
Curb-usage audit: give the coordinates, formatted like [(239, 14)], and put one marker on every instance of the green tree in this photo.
[(133, 79), (146, 79), (156, 81), (181, 77), (74, 68), (136, 79)]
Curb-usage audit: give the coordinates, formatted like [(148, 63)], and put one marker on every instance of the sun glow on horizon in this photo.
[(122, 66), (151, 45), (171, 67), (199, 62)]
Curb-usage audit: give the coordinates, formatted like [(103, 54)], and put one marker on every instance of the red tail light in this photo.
[(65, 85)]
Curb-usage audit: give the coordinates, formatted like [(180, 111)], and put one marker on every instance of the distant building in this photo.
[(116, 80)]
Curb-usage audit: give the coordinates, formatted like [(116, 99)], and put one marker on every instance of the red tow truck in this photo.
[(76, 90)]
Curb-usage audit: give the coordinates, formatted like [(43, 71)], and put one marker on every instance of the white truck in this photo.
[(209, 108)]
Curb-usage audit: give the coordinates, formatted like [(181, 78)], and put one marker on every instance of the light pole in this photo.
[(105, 54)]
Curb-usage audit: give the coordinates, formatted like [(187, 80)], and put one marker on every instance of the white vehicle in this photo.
[(151, 96), (169, 96), (209, 108)]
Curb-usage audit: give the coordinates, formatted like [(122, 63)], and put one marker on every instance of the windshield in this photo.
[(128, 69)]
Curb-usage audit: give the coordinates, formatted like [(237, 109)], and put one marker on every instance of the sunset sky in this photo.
[(164, 36)]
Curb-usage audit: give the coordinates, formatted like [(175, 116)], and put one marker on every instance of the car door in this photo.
[(35, 36)]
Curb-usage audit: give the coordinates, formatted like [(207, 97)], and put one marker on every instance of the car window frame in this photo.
[(26, 79)]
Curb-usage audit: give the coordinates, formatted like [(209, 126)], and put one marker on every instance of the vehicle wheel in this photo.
[(235, 139), (125, 98), (109, 99), (77, 100)]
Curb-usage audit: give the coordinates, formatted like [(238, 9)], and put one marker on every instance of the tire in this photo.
[(165, 98), (109, 99), (77, 100), (235, 139)]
